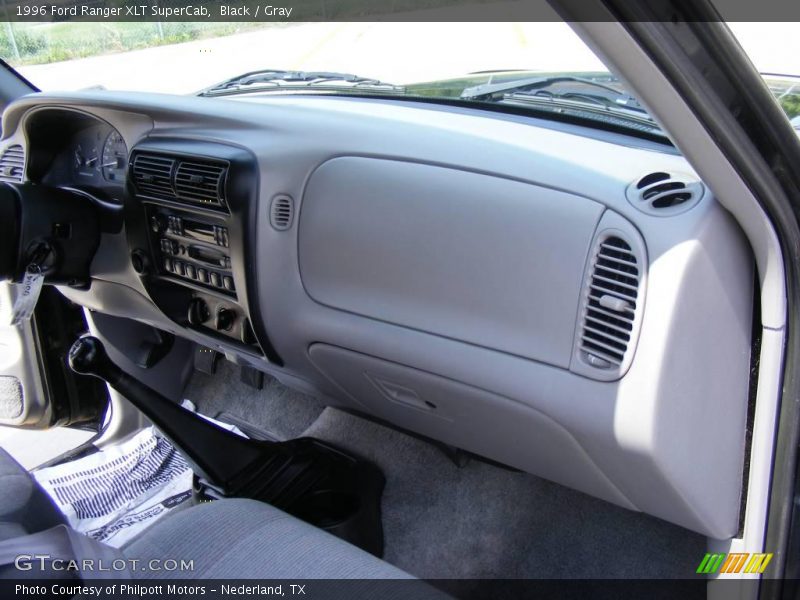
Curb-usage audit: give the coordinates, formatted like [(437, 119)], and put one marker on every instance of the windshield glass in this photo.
[(540, 67), (184, 57)]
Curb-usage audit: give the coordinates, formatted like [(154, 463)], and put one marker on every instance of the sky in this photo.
[(773, 47)]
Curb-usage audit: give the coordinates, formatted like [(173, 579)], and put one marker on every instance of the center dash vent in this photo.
[(152, 175), (195, 181), (611, 309), (12, 164), (200, 182), (665, 194)]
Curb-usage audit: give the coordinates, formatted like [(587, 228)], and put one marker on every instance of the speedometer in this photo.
[(115, 158)]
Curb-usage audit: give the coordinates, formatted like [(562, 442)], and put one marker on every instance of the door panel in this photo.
[(23, 399)]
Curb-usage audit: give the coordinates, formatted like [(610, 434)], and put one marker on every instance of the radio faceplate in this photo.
[(191, 249)]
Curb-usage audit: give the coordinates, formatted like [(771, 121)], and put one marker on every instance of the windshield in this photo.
[(543, 68)]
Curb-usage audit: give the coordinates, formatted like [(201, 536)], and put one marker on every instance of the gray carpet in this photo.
[(482, 521), (275, 412), (479, 521)]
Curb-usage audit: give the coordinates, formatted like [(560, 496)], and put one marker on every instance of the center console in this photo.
[(190, 215)]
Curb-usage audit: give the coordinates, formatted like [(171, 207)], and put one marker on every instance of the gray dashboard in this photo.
[(578, 308)]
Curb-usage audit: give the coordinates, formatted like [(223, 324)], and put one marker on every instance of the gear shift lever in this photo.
[(88, 356), (187, 431), (305, 477)]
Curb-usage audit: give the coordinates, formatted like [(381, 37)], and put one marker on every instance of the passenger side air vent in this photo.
[(613, 289), (611, 307), (281, 212), (665, 194), (195, 181), (12, 164)]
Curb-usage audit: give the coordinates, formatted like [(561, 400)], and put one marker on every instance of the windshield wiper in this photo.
[(599, 102), (586, 109), (539, 85), (269, 79)]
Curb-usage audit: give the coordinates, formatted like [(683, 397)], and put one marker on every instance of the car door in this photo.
[(37, 390), (20, 368)]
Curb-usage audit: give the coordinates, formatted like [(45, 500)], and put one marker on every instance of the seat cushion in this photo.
[(247, 539), (24, 506)]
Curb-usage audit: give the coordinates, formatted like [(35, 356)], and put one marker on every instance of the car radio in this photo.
[(194, 251), (202, 232)]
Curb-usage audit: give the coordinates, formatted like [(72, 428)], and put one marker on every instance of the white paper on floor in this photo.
[(115, 493), (189, 405)]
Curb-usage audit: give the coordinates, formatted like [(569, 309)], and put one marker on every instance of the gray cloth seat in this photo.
[(223, 539), (25, 508)]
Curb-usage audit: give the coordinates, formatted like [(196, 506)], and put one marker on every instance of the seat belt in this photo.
[(91, 559)]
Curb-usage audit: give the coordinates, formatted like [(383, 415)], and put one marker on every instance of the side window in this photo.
[(787, 91)]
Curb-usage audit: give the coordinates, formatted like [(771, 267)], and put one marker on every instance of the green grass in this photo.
[(790, 105), (39, 43), (787, 91)]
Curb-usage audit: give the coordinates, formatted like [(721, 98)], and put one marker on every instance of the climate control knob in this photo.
[(225, 319), (198, 312)]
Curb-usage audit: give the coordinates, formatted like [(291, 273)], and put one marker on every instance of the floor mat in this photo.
[(483, 521), (114, 494)]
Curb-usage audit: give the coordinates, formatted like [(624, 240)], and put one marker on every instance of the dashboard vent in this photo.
[(152, 175), (611, 305), (12, 164), (665, 194), (200, 182), (281, 212), (194, 181)]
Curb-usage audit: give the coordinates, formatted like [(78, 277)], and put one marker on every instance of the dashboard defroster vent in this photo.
[(611, 306), (195, 181), (12, 164), (665, 194), (281, 212)]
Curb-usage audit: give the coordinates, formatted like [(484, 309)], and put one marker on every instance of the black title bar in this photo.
[(356, 10)]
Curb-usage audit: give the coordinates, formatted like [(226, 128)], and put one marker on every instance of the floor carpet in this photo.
[(477, 521)]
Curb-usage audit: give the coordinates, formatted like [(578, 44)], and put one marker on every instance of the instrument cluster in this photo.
[(75, 151), (98, 157)]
